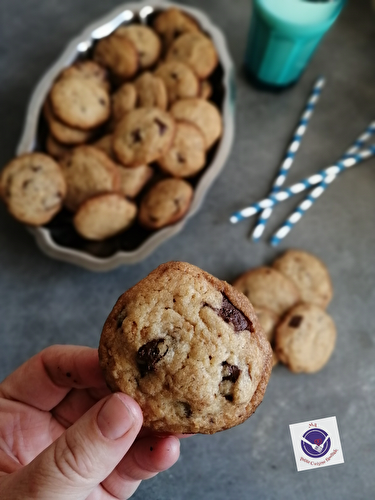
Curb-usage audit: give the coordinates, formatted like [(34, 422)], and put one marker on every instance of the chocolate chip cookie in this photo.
[(188, 348), (133, 180), (143, 136), (118, 54), (33, 188), (309, 274), (173, 23), (151, 91), (269, 289), (88, 70), (187, 154), (305, 339), (146, 42), (166, 203), (179, 79), (104, 216), (122, 101)]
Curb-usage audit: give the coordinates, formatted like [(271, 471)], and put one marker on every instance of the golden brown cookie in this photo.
[(55, 148), (118, 54), (197, 51), (201, 113), (172, 23), (143, 136), (188, 348), (179, 79), (133, 180), (165, 203), (309, 274), (146, 42), (305, 339), (63, 133), (80, 102), (267, 288), (89, 70), (187, 154), (33, 188), (151, 91), (122, 101), (88, 172), (104, 216)]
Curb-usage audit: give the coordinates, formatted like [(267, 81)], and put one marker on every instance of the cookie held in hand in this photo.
[(188, 348)]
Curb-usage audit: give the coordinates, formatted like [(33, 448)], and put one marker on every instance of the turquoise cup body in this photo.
[(283, 36)]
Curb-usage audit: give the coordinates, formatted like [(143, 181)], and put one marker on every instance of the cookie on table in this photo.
[(80, 103), (104, 216), (88, 172), (268, 321), (305, 339), (151, 91), (188, 348), (143, 136), (309, 274), (197, 51), (201, 113), (187, 154), (55, 148), (146, 42), (118, 54), (88, 70), (133, 180), (269, 289), (173, 23), (122, 101), (205, 91), (33, 188), (63, 133), (165, 203), (179, 79)]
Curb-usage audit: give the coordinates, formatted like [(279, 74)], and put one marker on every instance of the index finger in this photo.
[(45, 379)]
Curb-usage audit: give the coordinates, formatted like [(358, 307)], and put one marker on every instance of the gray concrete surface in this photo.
[(44, 301)]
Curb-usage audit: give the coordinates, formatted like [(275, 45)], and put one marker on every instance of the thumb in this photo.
[(84, 455)]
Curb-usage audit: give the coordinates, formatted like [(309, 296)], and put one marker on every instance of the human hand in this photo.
[(63, 435)]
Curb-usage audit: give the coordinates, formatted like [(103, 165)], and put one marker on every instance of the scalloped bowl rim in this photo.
[(28, 137)]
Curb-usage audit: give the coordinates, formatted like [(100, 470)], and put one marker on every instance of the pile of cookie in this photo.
[(290, 300), (139, 105)]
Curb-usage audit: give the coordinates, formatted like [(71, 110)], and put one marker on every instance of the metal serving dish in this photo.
[(58, 238)]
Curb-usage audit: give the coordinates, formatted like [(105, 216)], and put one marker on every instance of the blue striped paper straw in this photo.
[(308, 202), (299, 187), (291, 153)]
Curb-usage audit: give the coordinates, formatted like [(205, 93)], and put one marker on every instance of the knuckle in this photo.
[(72, 459)]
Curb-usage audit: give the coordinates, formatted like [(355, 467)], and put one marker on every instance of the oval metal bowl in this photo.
[(58, 239)]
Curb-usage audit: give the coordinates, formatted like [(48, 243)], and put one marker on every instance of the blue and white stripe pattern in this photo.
[(327, 175), (291, 153), (308, 202)]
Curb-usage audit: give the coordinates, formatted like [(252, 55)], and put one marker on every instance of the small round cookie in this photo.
[(179, 79), (88, 70), (80, 103), (33, 188), (188, 348), (309, 274), (267, 288), (205, 91), (63, 133), (187, 154), (201, 113), (122, 101), (55, 148), (172, 23), (151, 91), (143, 136), (166, 203), (133, 180), (88, 172), (195, 50), (104, 216), (146, 42), (268, 321), (105, 145), (305, 339), (118, 54)]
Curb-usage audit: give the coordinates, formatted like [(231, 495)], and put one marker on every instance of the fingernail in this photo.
[(114, 419)]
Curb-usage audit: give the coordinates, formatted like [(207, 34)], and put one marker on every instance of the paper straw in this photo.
[(290, 154), (304, 184), (308, 202)]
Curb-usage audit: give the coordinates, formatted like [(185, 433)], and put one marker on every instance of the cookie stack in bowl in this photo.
[(290, 299), (126, 128)]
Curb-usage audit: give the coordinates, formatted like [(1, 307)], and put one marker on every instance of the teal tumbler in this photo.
[(284, 35)]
